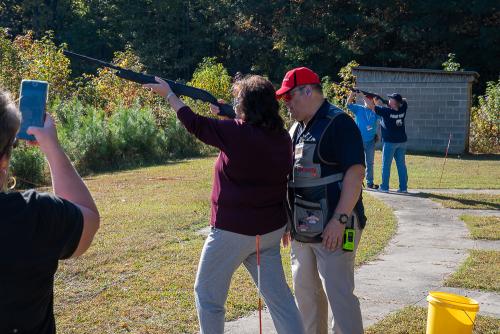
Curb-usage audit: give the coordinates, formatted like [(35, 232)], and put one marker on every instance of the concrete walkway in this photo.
[(430, 244)]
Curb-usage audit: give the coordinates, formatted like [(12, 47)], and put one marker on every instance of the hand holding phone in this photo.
[(32, 104)]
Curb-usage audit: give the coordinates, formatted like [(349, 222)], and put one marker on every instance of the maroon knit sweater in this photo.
[(250, 173)]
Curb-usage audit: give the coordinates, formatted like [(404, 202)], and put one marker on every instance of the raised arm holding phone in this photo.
[(38, 229)]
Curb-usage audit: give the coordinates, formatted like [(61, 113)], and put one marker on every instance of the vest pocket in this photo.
[(309, 217)]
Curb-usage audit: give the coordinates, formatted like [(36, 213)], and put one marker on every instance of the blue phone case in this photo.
[(32, 103)]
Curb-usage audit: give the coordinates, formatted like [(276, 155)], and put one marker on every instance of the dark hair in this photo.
[(258, 102), (10, 120)]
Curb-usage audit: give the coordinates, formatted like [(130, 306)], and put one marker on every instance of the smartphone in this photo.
[(32, 102)]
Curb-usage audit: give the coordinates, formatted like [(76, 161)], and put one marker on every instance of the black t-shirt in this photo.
[(36, 230), (393, 123)]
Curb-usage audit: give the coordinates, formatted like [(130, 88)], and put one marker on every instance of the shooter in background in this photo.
[(393, 137), (38, 229), (367, 123)]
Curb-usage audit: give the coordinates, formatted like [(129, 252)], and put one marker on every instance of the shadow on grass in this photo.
[(23, 184), (470, 203), (464, 156)]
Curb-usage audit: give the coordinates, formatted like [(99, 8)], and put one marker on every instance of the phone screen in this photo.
[(32, 103)]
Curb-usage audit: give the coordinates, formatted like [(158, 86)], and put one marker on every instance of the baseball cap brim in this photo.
[(283, 90)]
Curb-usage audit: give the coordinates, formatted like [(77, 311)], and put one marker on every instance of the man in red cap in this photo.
[(325, 185)]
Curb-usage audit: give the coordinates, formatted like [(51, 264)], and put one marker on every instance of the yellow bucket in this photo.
[(450, 313)]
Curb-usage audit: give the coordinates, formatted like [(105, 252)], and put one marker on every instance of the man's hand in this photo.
[(333, 234)]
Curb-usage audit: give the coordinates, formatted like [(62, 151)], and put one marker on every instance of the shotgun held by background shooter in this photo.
[(370, 95)]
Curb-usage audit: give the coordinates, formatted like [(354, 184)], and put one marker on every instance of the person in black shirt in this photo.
[(393, 137), (38, 229)]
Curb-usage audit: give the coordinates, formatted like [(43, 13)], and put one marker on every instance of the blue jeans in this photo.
[(222, 254), (369, 147), (396, 151)]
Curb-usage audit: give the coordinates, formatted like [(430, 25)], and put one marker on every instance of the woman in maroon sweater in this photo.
[(248, 199)]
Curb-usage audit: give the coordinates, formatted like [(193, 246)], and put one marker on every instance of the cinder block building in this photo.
[(439, 103)]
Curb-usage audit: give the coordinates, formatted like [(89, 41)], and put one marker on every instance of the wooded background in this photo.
[(270, 36)]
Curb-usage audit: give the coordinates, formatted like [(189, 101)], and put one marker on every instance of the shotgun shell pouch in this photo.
[(348, 244), (309, 217)]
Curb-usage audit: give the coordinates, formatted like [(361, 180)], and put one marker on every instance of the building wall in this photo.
[(438, 104)]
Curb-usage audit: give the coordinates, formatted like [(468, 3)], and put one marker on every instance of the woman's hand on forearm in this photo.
[(215, 110)]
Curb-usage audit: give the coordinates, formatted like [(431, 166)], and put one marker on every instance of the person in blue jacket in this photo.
[(393, 136), (367, 123)]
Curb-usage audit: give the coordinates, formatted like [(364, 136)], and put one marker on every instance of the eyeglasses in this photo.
[(288, 96)]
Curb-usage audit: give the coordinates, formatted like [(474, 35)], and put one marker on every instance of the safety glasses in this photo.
[(288, 96)]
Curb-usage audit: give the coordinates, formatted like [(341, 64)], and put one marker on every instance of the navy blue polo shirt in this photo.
[(342, 147)]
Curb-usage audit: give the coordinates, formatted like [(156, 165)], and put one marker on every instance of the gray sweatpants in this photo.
[(222, 254), (317, 270)]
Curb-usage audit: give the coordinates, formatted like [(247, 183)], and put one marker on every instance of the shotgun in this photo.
[(370, 95), (178, 88)]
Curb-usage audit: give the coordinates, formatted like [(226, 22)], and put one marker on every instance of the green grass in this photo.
[(466, 201), (483, 227), (481, 271), (413, 320), (139, 274), (464, 172), (379, 229)]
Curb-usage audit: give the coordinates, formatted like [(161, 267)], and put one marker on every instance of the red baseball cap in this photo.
[(297, 77)]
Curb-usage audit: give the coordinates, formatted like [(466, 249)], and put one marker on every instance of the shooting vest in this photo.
[(310, 185)]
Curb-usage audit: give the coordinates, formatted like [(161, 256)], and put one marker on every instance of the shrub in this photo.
[(26, 58), (451, 65), (337, 93), (485, 121), (212, 77), (136, 138), (28, 165), (96, 142), (182, 144)]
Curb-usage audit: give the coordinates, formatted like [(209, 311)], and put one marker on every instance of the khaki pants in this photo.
[(315, 271)]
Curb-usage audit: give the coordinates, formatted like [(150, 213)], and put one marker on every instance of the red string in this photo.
[(257, 246)]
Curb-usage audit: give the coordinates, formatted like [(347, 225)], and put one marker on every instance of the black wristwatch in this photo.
[(341, 217)]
